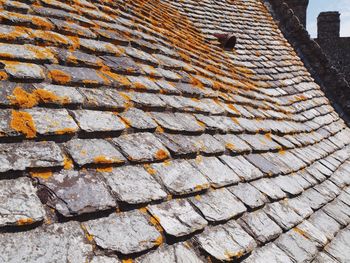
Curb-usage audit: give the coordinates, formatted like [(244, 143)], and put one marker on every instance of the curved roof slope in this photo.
[(128, 134)]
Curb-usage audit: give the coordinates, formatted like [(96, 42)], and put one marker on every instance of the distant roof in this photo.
[(128, 134)]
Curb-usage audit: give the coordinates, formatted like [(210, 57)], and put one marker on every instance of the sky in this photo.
[(318, 6)]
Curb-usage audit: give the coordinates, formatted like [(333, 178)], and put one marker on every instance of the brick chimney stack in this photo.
[(328, 25), (299, 8)]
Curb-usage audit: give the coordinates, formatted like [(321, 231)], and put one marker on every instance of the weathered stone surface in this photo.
[(233, 143), (324, 258), (217, 173), (178, 122), (28, 53), (296, 246), (103, 98), (288, 184), (244, 169), (122, 64), (57, 94), (269, 188), (143, 83), (127, 233), (180, 252), (104, 259), (98, 46), (138, 119), (339, 247), (260, 226), (52, 121), (145, 100), (179, 177), (249, 195), (309, 231), (179, 144), (55, 243), (141, 147), (76, 193), (133, 185), (219, 123), (313, 198), (226, 242), (268, 253), (93, 151), (265, 165), (260, 142), (177, 217), (283, 215), (324, 223), (207, 144), (77, 58), (218, 205), (298, 205), (95, 121), (20, 156), (24, 71), (19, 203)]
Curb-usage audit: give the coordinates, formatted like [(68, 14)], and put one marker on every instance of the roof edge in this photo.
[(331, 81)]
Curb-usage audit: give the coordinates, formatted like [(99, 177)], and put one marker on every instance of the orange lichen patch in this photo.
[(107, 169), (268, 136), (59, 76), (301, 232), (41, 174), (201, 187), (230, 146), (161, 154), (159, 240), (198, 197), (3, 75), (22, 98), (235, 120), (159, 129), (102, 159), (197, 83), (149, 169), (138, 85), (65, 131), (68, 163), (24, 221), (48, 96), (231, 255), (143, 210), (51, 37), (127, 260), (282, 152), (23, 122), (17, 32), (42, 23), (75, 42)]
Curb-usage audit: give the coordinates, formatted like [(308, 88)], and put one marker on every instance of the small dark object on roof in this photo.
[(227, 41)]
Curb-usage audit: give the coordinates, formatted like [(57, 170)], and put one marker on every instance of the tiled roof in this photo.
[(128, 134)]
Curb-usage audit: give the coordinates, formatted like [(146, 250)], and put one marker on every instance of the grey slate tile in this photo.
[(138, 119), (268, 253), (56, 243), (104, 259), (283, 215), (207, 144), (76, 193), (233, 143), (19, 203), (288, 184), (122, 64), (296, 246), (133, 185), (265, 165), (249, 195), (177, 122), (269, 188), (313, 198), (179, 177), (127, 233), (225, 242), (325, 223), (338, 211), (141, 147), (260, 142), (179, 144), (244, 169), (143, 83), (103, 98), (313, 234), (218, 205), (20, 156), (339, 247), (323, 257), (52, 121), (179, 252), (93, 151), (177, 217), (98, 121), (260, 226), (24, 71), (217, 173), (57, 94), (300, 206)]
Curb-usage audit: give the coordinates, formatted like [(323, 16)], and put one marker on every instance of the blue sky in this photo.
[(317, 6)]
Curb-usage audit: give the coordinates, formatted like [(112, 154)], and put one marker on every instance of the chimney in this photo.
[(328, 25), (299, 8)]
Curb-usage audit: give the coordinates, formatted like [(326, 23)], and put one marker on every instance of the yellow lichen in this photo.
[(149, 169), (24, 221), (65, 131), (22, 98), (68, 163), (23, 123), (161, 154), (41, 174), (107, 169), (59, 76)]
